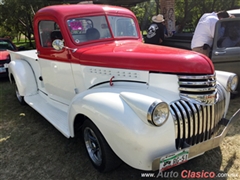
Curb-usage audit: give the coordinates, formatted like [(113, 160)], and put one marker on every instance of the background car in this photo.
[(5, 44)]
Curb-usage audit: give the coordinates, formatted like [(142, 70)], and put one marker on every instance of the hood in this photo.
[(4, 55), (139, 56)]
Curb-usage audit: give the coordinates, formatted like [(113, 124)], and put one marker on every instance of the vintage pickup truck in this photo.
[(224, 58), (152, 107)]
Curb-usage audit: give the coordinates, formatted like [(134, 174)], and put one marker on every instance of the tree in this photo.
[(144, 12), (189, 11), (16, 16)]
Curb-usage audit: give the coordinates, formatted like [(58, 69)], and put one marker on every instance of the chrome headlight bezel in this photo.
[(158, 113), (232, 83)]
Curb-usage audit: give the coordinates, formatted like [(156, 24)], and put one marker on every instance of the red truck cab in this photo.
[(115, 34)]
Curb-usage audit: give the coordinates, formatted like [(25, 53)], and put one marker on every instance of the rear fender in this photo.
[(21, 72)]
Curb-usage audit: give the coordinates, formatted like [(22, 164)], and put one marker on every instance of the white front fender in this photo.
[(134, 141)]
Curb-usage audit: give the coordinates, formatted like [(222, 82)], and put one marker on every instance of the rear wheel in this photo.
[(99, 152)]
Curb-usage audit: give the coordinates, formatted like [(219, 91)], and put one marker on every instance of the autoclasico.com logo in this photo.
[(186, 174)]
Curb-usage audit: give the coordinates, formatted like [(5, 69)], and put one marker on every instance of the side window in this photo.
[(48, 32), (229, 35)]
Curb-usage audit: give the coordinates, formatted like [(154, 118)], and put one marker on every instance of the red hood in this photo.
[(4, 55), (140, 56)]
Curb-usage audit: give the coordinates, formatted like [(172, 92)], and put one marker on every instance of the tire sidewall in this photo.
[(102, 144), (19, 97)]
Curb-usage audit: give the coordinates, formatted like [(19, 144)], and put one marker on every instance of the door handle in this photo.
[(220, 53)]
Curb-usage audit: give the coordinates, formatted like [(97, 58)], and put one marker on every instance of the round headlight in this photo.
[(232, 83), (158, 113)]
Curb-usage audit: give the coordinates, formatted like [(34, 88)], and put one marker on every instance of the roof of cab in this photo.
[(235, 12), (61, 11)]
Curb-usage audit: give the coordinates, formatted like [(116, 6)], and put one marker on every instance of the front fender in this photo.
[(223, 78), (133, 140), (23, 76)]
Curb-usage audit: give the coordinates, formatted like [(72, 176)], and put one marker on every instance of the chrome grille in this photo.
[(197, 84), (198, 88), (195, 123)]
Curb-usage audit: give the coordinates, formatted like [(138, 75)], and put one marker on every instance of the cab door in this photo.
[(56, 68), (226, 47)]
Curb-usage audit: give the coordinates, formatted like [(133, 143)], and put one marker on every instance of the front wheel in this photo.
[(101, 155), (19, 97)]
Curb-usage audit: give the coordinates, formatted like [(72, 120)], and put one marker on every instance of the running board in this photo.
[(57, 117)]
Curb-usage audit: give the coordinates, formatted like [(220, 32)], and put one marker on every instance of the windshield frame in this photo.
[(104, 27)]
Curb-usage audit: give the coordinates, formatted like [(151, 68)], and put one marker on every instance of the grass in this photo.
[(32, 149), (24, 43)]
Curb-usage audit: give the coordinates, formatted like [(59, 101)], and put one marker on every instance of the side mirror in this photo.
[(57, 44)]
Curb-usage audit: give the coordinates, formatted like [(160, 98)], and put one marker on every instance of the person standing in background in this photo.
[(203, 36), (155, 34), (165, 29)]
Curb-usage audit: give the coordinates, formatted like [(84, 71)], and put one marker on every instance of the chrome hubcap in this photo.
[(93, 146)]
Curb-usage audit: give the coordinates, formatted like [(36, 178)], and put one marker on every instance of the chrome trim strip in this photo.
[(209, 119), (190, 116), (185, 120), (200, 90), (200, 122), (197, 76), (180, 121), (196, 124), (107, 82), (204, 123), (212, 119), (217, 116), (176, 124), (197, 83)]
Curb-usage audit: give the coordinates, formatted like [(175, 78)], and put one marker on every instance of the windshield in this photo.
[(5, 44), (96, 27), (122, 26)]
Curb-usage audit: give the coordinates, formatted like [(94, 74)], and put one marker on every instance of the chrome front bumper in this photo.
[(206, 145)]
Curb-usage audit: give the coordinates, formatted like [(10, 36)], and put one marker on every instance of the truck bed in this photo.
[(29, 54)]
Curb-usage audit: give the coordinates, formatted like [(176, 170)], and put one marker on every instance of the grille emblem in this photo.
[(206, 99)]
